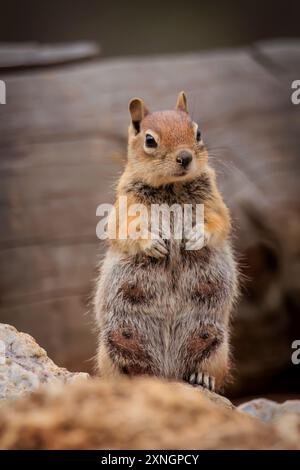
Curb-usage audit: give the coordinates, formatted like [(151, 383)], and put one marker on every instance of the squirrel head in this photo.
[(165, 146)]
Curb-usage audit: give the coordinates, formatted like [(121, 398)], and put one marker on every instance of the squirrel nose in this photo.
[(184, 158)]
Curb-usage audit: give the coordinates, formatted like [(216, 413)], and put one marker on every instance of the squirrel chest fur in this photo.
[(163, 309)]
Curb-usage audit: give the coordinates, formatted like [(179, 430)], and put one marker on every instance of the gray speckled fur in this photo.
[(165, 303)]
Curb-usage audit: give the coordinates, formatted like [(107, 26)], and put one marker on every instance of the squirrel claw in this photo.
[(195, 239), (157, 248), (203, 379)]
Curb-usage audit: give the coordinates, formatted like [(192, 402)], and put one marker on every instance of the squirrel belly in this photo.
[(166, 319), (162, 309)]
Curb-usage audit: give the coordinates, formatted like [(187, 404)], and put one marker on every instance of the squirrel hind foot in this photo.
[(202, 379)]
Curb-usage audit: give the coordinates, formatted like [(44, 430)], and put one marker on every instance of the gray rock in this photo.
[(269, 410), (24, 365)]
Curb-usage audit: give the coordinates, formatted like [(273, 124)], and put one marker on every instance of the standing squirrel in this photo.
[(163, 305)]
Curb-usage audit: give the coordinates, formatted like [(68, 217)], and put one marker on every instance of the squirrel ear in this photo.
[(137, 111), (181, 103)]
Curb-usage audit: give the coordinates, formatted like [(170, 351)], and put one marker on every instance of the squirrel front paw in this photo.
[(155, 247), (203, 379), (195, 238)]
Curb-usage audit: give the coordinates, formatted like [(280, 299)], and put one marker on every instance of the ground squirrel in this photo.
[(163, 304)]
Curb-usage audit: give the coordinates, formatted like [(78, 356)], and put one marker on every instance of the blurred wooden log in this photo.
[(16, 56), (63, 132)]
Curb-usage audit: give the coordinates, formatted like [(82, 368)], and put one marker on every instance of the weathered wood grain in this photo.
[(284, 55), (94, 98), (42, 269), (16, 56)]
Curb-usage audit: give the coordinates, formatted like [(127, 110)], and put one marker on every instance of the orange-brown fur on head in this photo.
[(174, 132)]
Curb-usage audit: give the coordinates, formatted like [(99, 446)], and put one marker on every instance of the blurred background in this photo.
[(70, 68), (136, 27)]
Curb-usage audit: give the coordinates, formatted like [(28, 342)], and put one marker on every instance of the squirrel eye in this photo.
[(198, 135), (150, 141)]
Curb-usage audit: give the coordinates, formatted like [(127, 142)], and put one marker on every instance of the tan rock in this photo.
[(24, 365), (141, 413)]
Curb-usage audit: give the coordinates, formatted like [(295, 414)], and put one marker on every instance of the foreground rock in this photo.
[(24, 365), (141, 413)]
